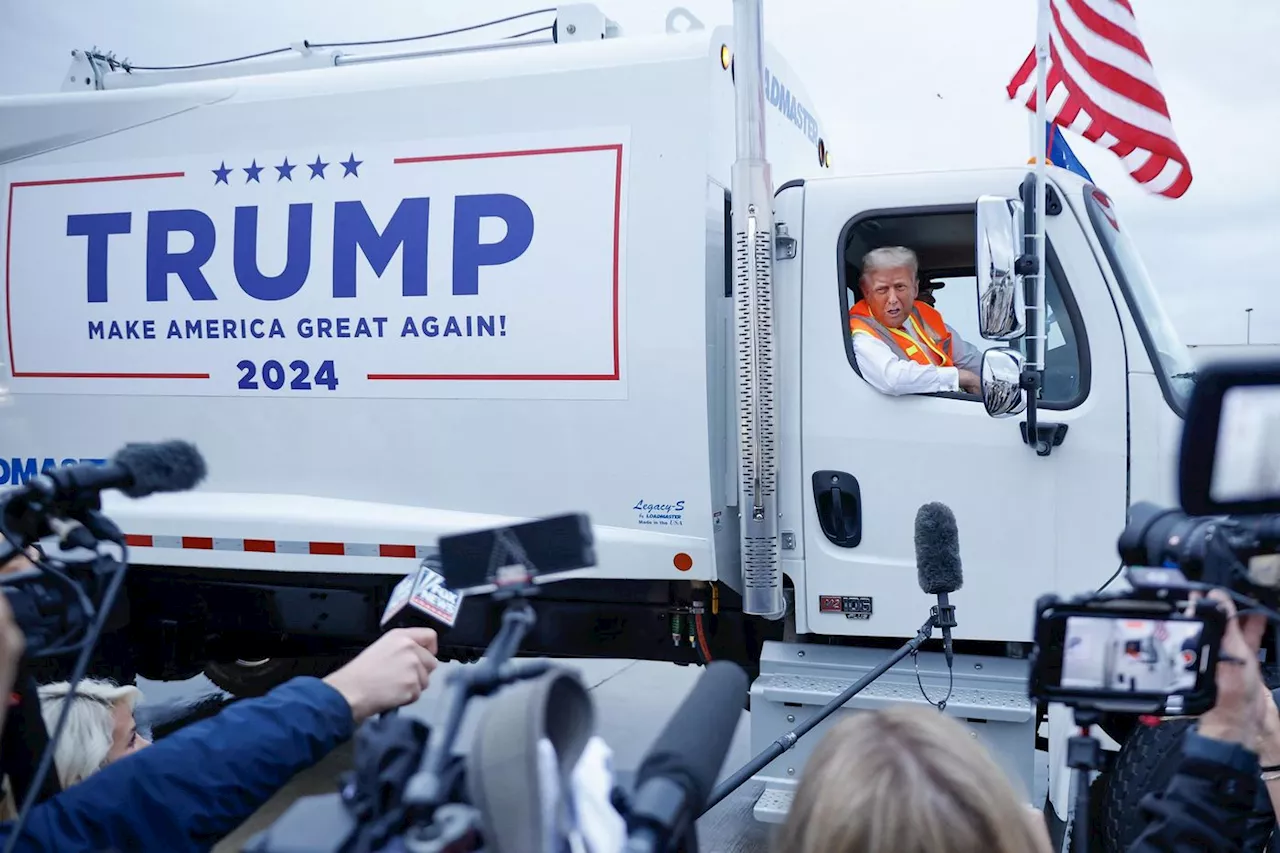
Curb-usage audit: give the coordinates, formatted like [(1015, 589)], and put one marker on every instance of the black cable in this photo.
[(941, 705), (545, 29), (1110, 579), (466, 29), (82, 664), (202, 64), (114, 63)]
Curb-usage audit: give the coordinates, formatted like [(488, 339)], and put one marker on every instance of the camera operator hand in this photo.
[(1238, 714), (392, 672), (1211, 798)]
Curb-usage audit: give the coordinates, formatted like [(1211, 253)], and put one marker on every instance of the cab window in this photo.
[(943, 241)]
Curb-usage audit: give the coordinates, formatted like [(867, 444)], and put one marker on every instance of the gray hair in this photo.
[(86, 738), (890, 258)]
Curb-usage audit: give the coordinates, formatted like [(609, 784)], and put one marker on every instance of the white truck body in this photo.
[(576, 229), (589, 349)]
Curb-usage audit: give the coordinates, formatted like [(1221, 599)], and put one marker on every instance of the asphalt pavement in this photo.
[(633, 699)]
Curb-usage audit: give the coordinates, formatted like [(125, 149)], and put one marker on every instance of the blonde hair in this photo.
[(906, 779), (86, 738)]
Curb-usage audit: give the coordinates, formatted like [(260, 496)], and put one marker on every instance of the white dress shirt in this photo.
[(889, 374)]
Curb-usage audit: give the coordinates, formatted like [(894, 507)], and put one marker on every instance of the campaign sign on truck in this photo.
[(475, 267)]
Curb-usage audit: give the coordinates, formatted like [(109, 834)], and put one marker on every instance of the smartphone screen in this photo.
[(1129, 655)]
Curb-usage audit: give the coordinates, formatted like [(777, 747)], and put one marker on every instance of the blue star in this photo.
[(222, 173), (317, 168), (253, 171), (351, 164), (285, 170)]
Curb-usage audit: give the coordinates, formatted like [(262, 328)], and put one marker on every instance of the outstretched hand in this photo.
[(391, 672), (1237, 715)]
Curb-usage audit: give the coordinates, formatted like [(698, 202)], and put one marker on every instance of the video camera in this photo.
[(1154, 649), (63, 601), (409, 791), (1150, 650)]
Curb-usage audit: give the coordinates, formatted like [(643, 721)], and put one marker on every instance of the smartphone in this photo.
[(1144, 658)]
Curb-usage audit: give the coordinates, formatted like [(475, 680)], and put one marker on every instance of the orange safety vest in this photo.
[(925, 321)]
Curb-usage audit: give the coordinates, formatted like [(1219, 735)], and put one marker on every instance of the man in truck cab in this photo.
[(901, 343)]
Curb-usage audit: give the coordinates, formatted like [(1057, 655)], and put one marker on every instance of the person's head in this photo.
[(99, 729), (910, 780), (889, 283)]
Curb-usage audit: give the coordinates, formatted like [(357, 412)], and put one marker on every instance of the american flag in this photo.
[(1161, 632), (1102, 86)]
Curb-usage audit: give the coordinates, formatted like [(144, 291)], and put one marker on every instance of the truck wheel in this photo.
[(1145, 764), (245, 679)]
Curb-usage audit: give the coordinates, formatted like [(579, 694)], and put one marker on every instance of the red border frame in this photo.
[(8, 277), (616, 148)]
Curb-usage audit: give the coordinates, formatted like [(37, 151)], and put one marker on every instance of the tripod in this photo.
[(1084, 755)]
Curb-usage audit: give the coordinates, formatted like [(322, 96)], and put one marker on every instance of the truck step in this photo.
[(989, 697), (773, 805)]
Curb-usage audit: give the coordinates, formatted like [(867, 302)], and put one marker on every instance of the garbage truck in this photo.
[(397, 294)]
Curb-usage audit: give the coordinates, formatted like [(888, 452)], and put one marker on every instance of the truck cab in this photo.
[(858, 462), (1115, 386)]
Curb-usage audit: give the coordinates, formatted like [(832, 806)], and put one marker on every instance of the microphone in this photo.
[(676, 777), (938, 564), (422, 593), (137, 470)]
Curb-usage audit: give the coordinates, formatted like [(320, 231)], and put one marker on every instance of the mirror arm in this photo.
[(1030, 429), (1043, 437)]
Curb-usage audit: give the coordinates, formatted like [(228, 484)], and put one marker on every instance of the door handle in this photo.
[(838, 499)]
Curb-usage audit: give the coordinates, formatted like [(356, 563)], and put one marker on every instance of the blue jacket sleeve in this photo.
[(188, 791)]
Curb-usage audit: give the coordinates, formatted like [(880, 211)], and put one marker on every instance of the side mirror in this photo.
[(1001, 301), (1230, 459), (1002, 382)]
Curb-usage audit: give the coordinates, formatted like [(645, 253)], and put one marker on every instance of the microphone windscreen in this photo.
[(691, 749), (170, 466), (937, 549)]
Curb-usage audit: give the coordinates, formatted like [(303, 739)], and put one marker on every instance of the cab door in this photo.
[(1028, 524)]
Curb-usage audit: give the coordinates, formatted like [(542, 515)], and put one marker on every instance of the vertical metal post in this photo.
[(1035, 305), (753, 315)]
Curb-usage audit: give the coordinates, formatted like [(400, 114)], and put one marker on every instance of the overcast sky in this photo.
[(899, 84)]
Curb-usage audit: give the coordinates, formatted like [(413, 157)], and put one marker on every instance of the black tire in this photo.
[(1145, 764), (244, 679)]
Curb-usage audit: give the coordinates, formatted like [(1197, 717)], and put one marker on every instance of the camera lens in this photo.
[(1159, 536)]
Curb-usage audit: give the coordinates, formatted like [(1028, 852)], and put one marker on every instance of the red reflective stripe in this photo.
[(333, 549), (273, 546)]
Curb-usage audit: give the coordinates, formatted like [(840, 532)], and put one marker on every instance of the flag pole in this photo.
[(1035, 307)]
